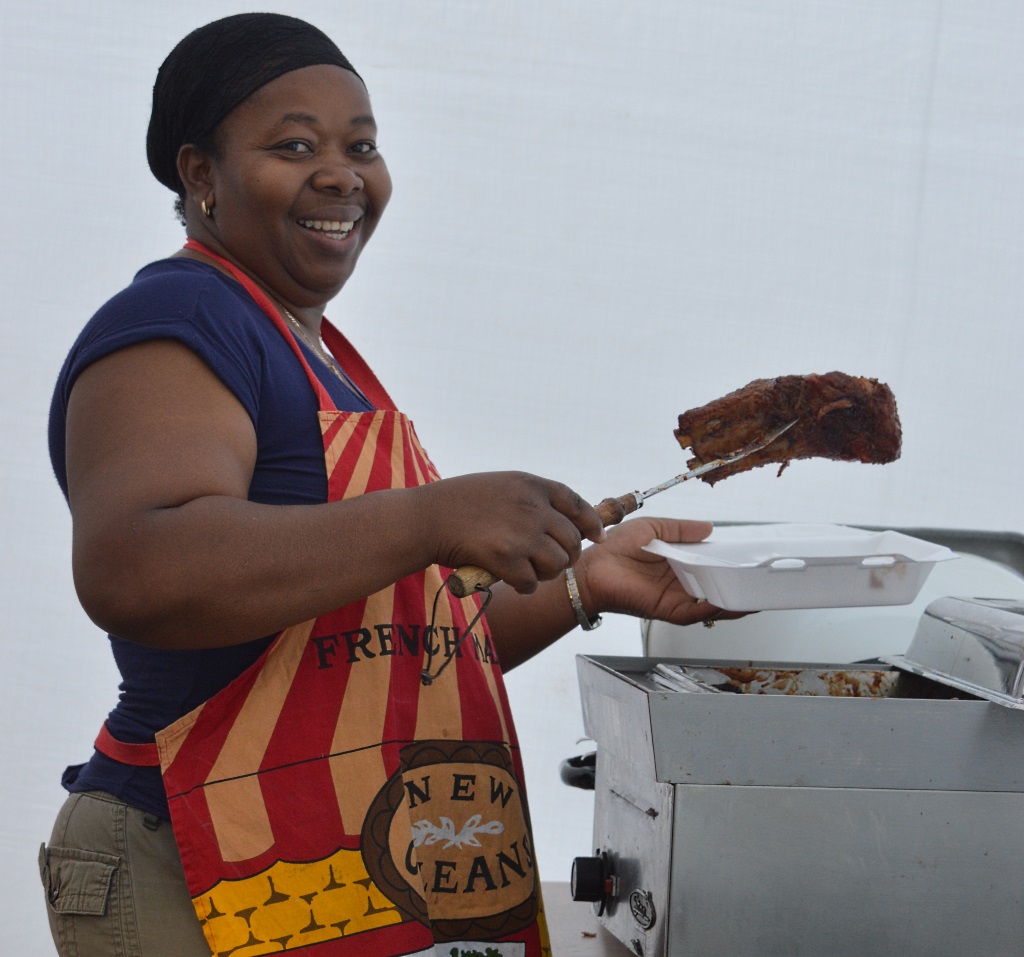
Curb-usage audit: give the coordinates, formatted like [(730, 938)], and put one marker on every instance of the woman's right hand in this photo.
[(522, 528)]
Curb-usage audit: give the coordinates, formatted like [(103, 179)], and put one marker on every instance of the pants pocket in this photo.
[(77, 882)]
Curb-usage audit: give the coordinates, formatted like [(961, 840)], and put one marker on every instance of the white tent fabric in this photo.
[(604, 213)]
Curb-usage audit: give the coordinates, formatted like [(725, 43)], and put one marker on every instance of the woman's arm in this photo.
[(615, 576), (168, 550)]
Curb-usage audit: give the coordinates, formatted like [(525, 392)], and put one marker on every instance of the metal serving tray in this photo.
[(975, 645)]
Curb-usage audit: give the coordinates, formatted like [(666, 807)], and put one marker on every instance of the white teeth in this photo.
[(332, 227)]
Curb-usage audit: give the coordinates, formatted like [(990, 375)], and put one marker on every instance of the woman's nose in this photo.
[(337, 172)]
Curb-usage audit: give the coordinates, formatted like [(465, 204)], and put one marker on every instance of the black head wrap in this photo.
[(218, 66)]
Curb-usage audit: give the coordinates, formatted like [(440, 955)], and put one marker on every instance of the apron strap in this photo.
[(355, 366), (139, 755), (351, 361)]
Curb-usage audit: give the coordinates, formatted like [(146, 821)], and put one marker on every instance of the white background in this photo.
[(605, 213)]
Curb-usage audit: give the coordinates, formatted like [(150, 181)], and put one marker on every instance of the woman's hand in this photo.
[(614, 576), (619, 576), (521, 528)]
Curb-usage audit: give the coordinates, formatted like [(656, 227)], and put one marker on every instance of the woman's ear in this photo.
[(195, 171)]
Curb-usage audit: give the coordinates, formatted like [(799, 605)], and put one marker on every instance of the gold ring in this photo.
[(709, 622)]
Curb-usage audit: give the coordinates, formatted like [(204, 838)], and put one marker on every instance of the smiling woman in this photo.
[(304, 706)]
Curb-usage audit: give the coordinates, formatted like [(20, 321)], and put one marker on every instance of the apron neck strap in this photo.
[(353, 363)]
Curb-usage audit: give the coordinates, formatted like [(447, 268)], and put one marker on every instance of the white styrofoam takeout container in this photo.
[(762, 567)]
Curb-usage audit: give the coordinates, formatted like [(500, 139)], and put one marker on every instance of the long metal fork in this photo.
[(470, 578)]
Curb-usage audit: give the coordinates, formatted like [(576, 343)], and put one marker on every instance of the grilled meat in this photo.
[(849, 418)]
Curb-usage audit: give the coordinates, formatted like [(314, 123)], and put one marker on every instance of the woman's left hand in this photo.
[(615, 576), (619, 576)]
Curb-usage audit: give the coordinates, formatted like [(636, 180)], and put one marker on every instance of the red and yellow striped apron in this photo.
[(328, 802)]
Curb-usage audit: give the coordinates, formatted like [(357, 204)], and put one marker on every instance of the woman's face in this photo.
[(297, 184)]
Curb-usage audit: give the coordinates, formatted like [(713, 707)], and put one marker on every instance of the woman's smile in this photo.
[(332, 229)]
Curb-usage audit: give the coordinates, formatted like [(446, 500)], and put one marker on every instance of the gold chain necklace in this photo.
[(319, 349)]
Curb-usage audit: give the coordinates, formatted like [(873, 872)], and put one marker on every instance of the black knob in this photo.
[(589, 881), (593, 880)]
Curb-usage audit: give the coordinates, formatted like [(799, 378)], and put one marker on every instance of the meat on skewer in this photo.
[(849, 418)]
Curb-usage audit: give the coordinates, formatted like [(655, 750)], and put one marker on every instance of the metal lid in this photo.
[(973, 644)]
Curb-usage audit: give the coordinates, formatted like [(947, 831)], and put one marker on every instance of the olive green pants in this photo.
[(114, 883)]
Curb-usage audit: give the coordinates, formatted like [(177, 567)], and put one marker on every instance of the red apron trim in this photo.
[(139, 755)]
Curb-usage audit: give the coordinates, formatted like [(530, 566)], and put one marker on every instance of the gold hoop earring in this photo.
[(207, 210)]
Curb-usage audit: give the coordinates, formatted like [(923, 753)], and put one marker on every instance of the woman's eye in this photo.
[(364, 147), (295, 146)]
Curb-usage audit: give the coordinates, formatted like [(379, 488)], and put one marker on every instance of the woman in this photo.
[(263, 537)]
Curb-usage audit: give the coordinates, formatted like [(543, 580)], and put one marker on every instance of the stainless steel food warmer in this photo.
[(760, 808)]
